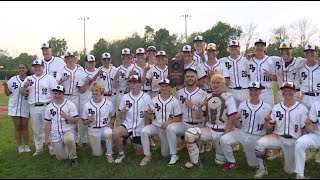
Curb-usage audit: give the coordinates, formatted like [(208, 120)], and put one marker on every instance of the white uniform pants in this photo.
[(38, 122), (273, 141), (62, 151), (177, 129), (248, 142), (95, 137), (76, 100), (113, 101), (307, 141), (239, 95), (152, 130)]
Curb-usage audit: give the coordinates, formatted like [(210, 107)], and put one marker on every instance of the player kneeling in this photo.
[(287, 118), (250, 121), (166, 110), (98, 114), (62, 117), (221, 109)]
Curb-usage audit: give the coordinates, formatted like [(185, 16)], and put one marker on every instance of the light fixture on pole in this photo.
[(185, 23), (84, 33)]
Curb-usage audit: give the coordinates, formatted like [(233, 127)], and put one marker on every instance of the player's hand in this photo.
[(100, 71), (132, 72), (249, 56), (266, 72), (238, 115), (146, 69), (47, 141), (91, 119), (63, 114), (125, 109), (308, 121), (149, 110), (268, 117), (118, 74), (203, 101), (178, 56), (188, 104), (110, 125), (65, 78), (165, 125), (88, 79), (5, 82), (26, 84)]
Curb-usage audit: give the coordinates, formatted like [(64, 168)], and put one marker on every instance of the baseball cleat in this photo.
[(38, 151), (110, 159), (21, 149), (120, 158), (173, 160), (260, 173), (26, 148), (145, 160), (229, 165)]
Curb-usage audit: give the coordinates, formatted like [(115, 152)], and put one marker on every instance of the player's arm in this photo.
[(237, 122), (96, 75), (267, 122), (85, 85), (229, 125), (47, 131), (200, 110), (24, 87), (6, 89), (70, 119)]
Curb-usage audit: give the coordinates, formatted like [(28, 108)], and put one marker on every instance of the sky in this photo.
[(26, 25)]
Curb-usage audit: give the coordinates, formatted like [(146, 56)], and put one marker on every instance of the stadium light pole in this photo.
[(185, 24), (84, 33)]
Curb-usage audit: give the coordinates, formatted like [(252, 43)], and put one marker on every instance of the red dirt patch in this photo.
[(3, 110)]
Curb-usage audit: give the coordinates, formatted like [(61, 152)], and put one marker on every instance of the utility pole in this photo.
[(84, 34), (185, 23)]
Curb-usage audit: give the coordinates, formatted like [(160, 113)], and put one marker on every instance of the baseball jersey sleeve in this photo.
[(122, 103), (304, 115), (152, 105), (73, 112), (47, 113), (273, 116), (313, 112), (240, 109), (177, 108), (149, 74), (112, 113), (59, 74), (200, 71), (53, 81), (85, 114), (231, 105), (224, 71), (272, 67), (10, 84), (26, 80)]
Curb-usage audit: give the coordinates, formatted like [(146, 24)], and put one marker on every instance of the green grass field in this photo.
[(15, 165)]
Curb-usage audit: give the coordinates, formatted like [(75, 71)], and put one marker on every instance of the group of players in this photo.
[(69, 104)]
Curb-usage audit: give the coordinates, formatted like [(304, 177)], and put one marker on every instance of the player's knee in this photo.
[(192, 134), (259, 146), (301, 144)]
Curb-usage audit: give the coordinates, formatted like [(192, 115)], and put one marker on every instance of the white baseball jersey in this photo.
[(256, 70), (289, 73), (216, 68), (122, 80), (137, 105), (60, 125), (198, 59), (86, 96), (164, 110), (101, 112), (200, 71), (18, 104), (238, 70), (53, 65), (310, 78), (315, 116), (155, 75), (107, 79), (252, 117), (288, 121), (189, 115), (139, 71), (218, 109), (40, 88), (75, 80)]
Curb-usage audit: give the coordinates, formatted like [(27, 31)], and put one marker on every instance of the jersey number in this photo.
[(260, 127), (44, 91)]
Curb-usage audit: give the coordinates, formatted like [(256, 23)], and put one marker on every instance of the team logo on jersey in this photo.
[(252, 68), (157, 107), (103, 77), (228, 65), (278, 65), (182, 99), (91, 111), (30, 82), (304, 75), (54, 73), (128, 104), (14, 85), (245, 114), (279, 115), (155, 74), (53, 112)]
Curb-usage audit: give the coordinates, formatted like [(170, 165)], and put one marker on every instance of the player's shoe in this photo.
[(145, 160), (236, 147), (202, 147), (229, 165), (74, 162), (173, 160), (110, 158), (51, 152), (208, 146), (190, 164), (21, 149), (260, 173), (26, 148), (317, 158), (120, 158), (273, 155), (152, 143), (38, 151)]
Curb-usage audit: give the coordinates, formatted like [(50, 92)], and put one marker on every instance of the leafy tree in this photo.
[(59, 46), (98, 49), (166, 42)]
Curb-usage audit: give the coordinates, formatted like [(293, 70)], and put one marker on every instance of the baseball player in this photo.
[(166, 110), (18, 107), (287, 68), (151, 56), (51, 64), (250, 121), (221, 109), (238, 70), (200, 55), (132, 109), (89, 72), (261, 69), (308, 141), (157, 73), (140, 68), (190, 99), (61, 119), (71, 78), (124, 68), (287, 118), (39, 87), (99, 115)]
